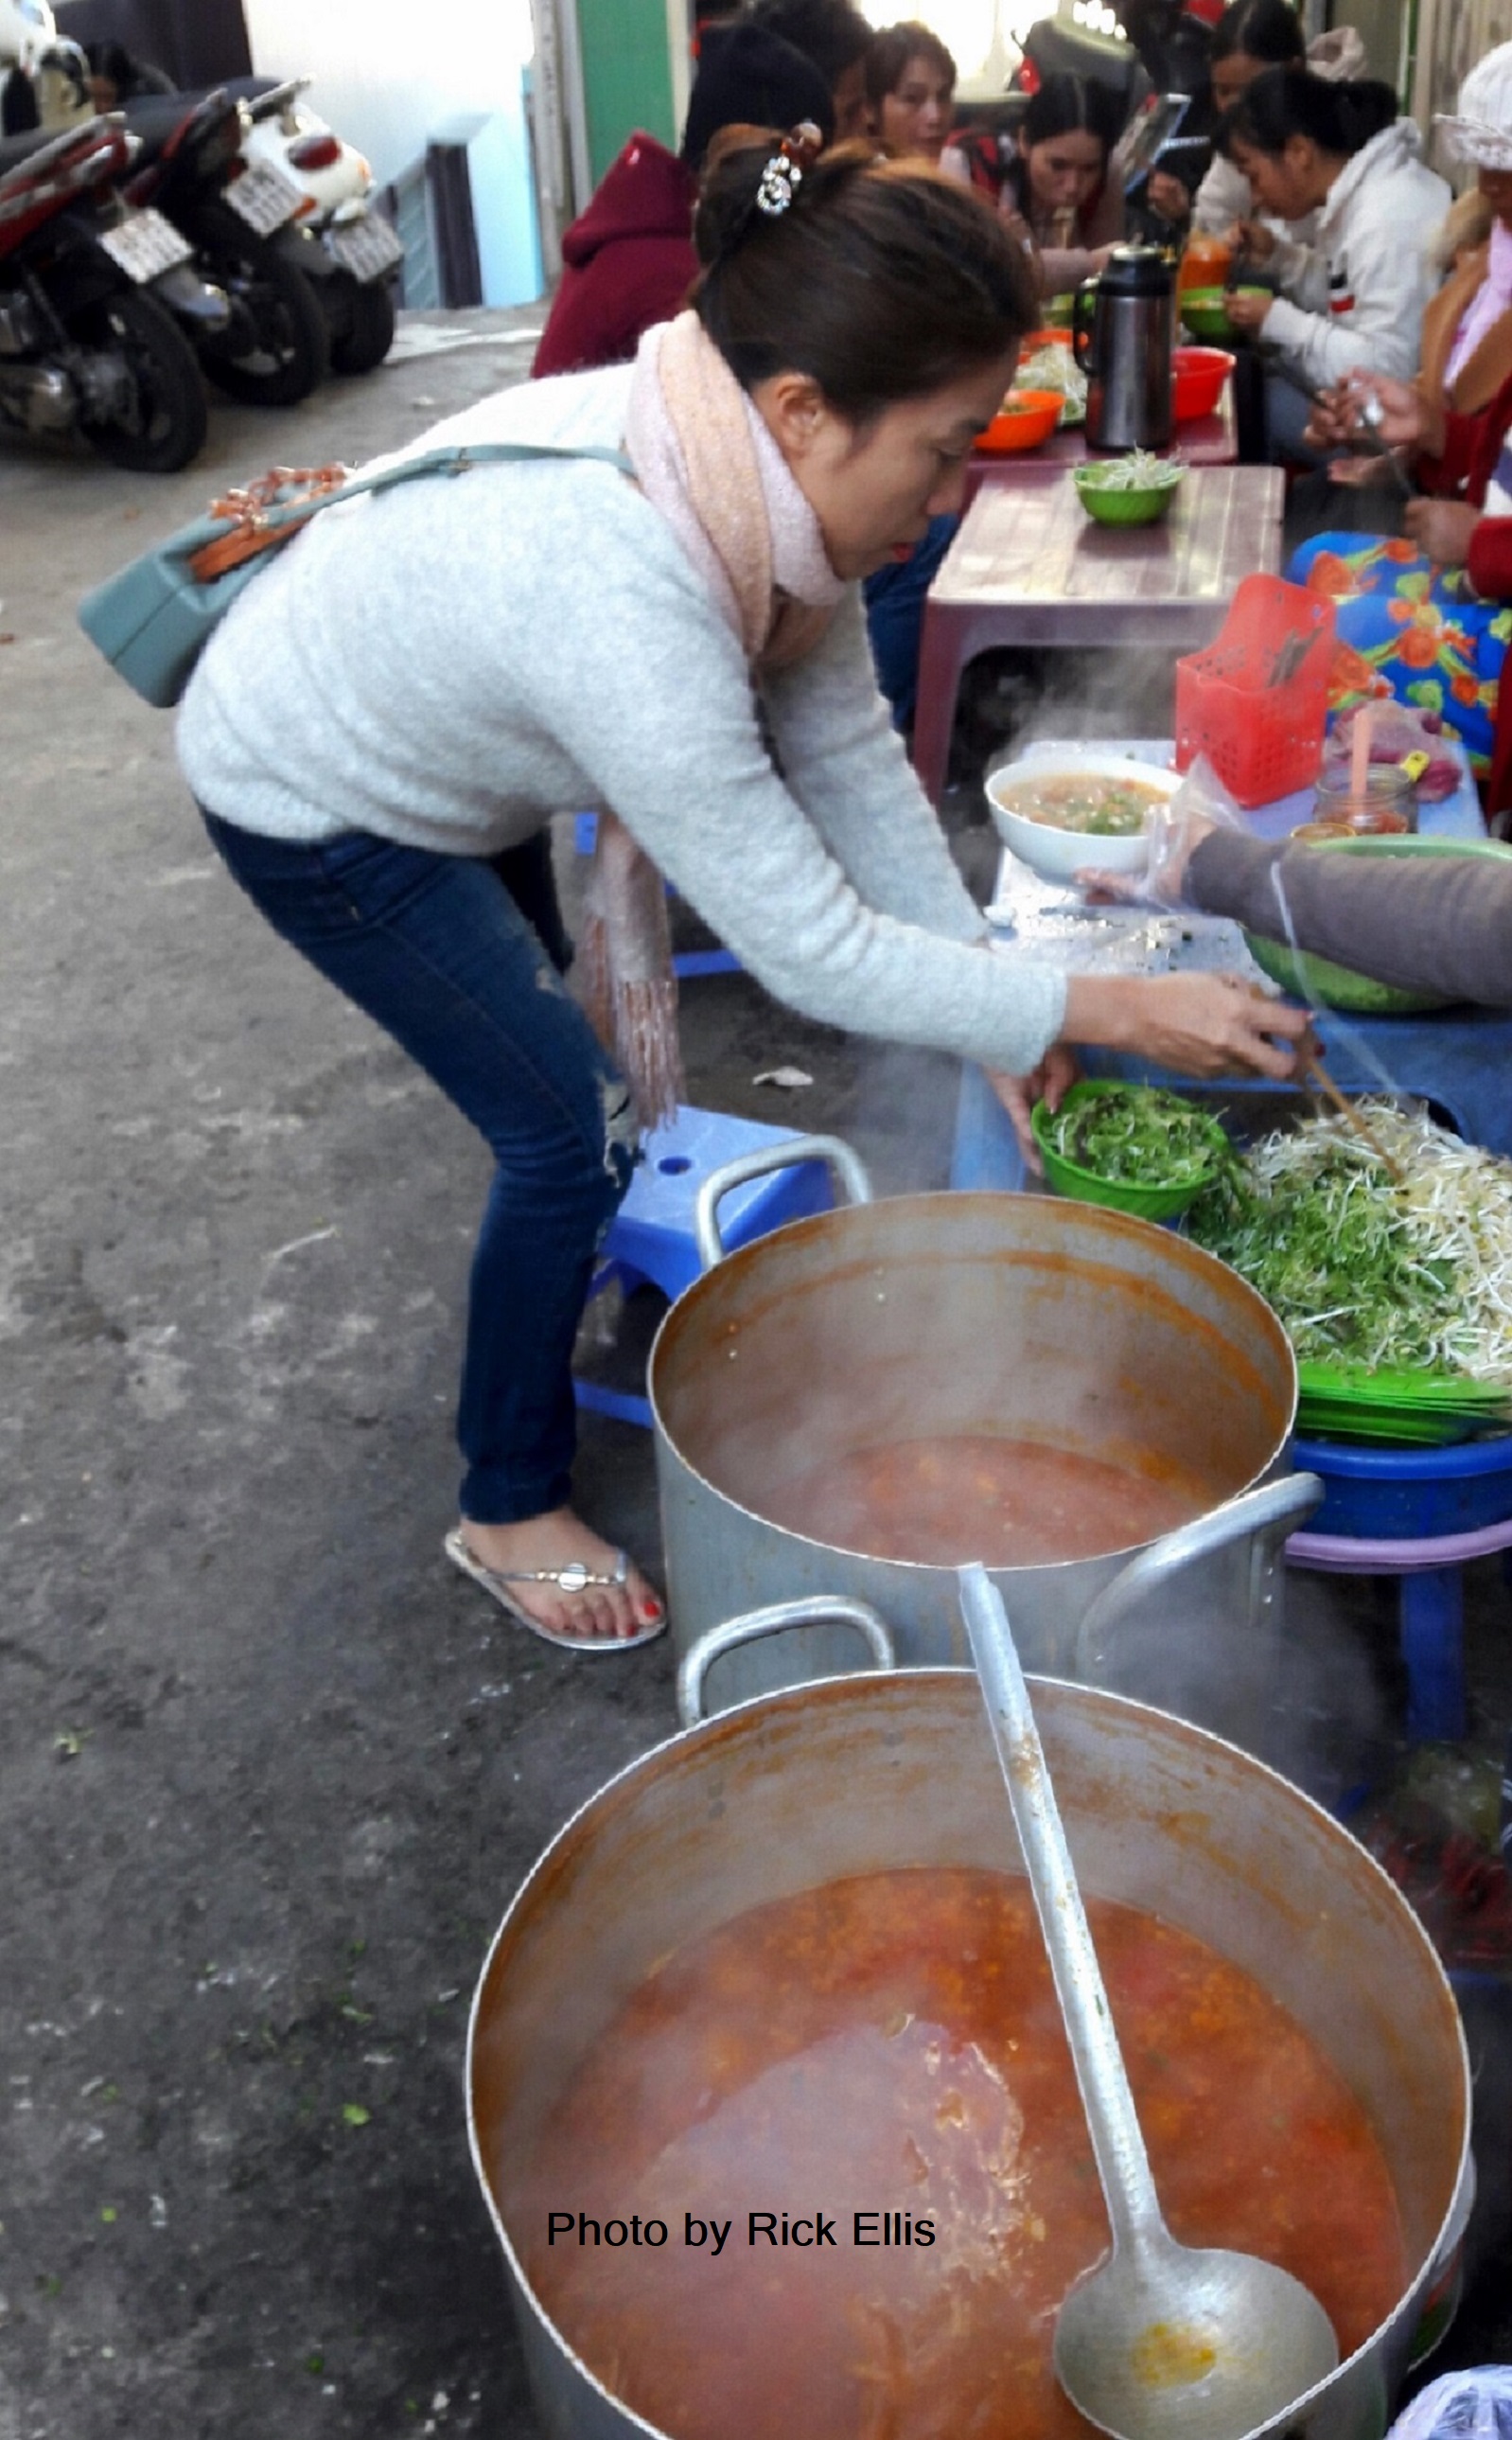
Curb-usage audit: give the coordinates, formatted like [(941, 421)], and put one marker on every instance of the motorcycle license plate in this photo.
[(367, 248), (263, 197), (145, 245)]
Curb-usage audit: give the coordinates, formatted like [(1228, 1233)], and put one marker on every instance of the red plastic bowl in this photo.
[(1029, 417), (1197, 378)]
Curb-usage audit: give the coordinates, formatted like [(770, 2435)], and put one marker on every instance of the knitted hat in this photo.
[(1481, 130), (749, 78)]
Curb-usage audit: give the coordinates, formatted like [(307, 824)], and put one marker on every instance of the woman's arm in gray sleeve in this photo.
[(1424, 924)]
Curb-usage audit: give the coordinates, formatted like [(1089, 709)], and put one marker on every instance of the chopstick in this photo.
[(1314, 1068)]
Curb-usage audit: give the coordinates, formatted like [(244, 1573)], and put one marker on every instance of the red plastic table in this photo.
[(1030, 567)]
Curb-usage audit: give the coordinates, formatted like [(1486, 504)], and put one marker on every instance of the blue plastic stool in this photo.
[(651, 1240), (1417, 1513), (687, 961)]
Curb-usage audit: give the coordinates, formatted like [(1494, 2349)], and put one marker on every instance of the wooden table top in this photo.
[(1028, 545)]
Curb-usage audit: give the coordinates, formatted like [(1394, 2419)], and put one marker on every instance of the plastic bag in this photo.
[(1460, 2406), (1397, 729), (1172, 829)]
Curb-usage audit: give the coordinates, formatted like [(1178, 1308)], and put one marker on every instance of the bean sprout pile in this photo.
[(1361, 1270), (1141, 471)]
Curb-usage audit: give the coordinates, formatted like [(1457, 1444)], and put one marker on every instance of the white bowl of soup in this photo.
[(1058, 817)]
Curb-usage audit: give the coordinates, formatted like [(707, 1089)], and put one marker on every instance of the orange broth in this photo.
[(891, 2045), (971, 1496)]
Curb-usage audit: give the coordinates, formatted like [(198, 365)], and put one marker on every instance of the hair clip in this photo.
[(783, 174)]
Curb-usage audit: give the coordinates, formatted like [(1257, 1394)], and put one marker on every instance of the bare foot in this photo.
[(559, 1539)]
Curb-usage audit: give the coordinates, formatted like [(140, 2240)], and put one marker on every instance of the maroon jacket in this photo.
[(627, 261), (1473, 444)]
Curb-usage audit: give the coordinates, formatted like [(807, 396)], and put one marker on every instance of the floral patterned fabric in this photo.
[(1410, 629)]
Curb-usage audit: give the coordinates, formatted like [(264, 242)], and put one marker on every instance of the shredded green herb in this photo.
[(1360, 1270), (1137, 1135)]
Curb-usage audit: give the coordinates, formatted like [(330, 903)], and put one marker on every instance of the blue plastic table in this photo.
[(1460, 1059)]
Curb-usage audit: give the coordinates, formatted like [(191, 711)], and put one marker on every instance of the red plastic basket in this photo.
[(1256, 701)]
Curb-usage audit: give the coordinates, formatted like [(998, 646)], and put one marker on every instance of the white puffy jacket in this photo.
[(1356, 296)]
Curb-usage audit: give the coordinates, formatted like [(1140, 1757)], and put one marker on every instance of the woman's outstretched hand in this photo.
[(1443, 529), (1247, 313), (1050, 1082), (1168, 196), (1200, 1025), (1395, 411), (1174, 831), (1252, 240)]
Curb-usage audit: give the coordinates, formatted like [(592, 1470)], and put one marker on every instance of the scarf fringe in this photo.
[(636, 1022), (706, 463)]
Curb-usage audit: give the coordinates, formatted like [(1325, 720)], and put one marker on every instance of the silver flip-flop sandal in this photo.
[(574, 1578)]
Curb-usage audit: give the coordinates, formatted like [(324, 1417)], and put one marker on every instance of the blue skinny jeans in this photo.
[(441, 951)]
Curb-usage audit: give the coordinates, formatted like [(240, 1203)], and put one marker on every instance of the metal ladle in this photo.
[(1160, 2341)]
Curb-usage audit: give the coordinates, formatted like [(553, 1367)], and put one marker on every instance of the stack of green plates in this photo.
[(1417, 1407)]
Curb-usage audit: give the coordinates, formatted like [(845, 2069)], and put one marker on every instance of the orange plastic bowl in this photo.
[(1029, 417), (1197, 378)]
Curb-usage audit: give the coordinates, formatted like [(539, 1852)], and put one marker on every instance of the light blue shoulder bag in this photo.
[(153, 618)]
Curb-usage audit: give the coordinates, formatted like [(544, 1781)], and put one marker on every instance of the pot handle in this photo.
[(1271, 1511), (814, 1610), (844, 1165)]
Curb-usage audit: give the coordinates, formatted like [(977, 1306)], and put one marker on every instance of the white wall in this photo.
[(386, 71), (976, 32)]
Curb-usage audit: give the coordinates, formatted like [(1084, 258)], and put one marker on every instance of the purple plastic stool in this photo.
[(1433, 1609)]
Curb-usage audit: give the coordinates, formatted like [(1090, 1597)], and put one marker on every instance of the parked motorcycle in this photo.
[(44, 75), (87, 341), (240, 221), (359, 252)]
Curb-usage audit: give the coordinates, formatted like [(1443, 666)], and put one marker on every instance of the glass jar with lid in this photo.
[(1389, 801)]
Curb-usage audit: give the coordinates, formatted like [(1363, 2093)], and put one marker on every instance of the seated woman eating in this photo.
[(1058, 198), (1358, 296), (1250, 37), (1428, 618)]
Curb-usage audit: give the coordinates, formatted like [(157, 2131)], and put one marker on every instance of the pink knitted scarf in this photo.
[(706, 463)]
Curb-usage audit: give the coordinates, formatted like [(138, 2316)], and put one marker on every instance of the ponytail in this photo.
[(1259, 30), (880, 280), (1287, 102)]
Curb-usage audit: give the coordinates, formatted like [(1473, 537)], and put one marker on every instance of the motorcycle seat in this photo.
[(16, 149), (152, 117)]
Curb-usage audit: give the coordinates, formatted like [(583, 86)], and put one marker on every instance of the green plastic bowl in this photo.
[(1119, 506), (1205, 315), (1085, 1186), (1319, 979)]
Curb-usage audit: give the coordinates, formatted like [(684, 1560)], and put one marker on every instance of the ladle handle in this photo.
[(1123, 2163), (845, 1167)]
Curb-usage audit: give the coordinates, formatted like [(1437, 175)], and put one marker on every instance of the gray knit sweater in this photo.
[(450, 663)]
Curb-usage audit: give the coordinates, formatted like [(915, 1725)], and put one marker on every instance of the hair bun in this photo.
[(751, 175)]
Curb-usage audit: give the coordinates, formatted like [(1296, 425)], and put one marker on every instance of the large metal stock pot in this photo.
[(1015, 1315), (884, 1772)]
